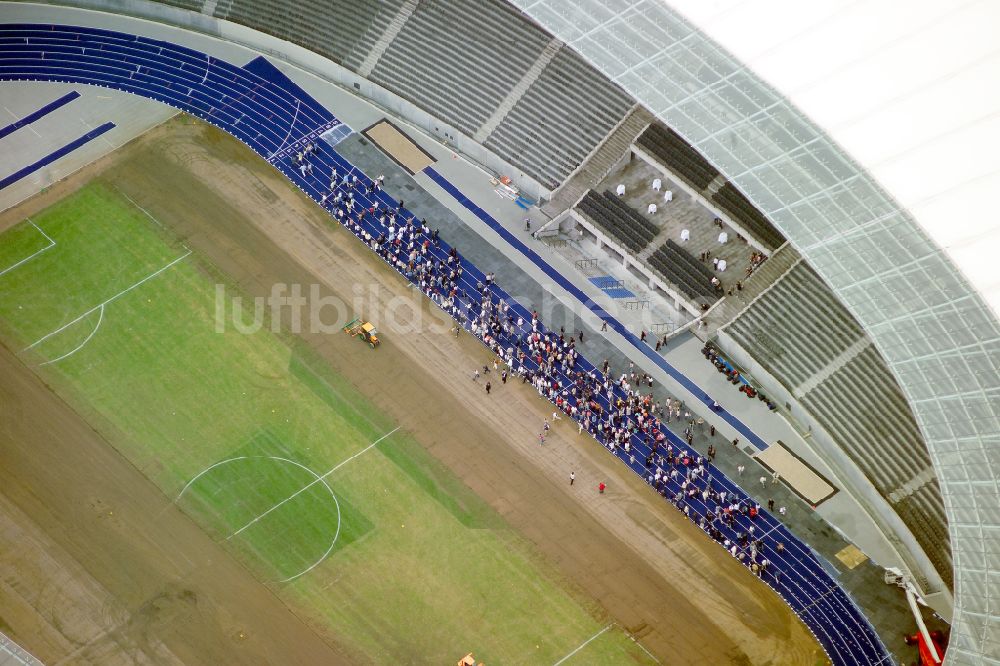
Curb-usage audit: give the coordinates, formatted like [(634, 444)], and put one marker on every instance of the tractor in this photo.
[(364, 330)]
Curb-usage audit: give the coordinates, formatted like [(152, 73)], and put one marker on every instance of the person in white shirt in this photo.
[(657, 184), (620, 190), (668, 196), (651, 209)]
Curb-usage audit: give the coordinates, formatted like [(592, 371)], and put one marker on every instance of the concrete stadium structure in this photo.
[(878, 192)]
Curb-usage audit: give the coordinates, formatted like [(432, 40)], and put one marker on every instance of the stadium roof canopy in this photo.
[(869, 133)]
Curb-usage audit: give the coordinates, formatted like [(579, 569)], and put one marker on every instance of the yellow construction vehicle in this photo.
[(364, 330)]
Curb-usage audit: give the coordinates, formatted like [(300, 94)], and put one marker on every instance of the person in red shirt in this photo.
[(601, 487)]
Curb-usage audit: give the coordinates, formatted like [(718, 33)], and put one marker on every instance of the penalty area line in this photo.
[(309, 485), (51, 245), (145, 212), (101, 305), (584, 644)]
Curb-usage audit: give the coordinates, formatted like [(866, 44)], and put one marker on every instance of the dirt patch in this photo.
[(633, 558), (101, 567)]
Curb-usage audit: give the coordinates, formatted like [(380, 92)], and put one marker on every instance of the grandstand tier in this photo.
[(622, 222), (808, 341), (676, 154), (744, 213), (680, 268), (460, 70), (551, 145), (342, 30)]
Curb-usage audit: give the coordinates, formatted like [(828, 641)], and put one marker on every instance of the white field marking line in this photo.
[(80, 346), (51, 244), (768, 533), (641, 647), (90, 128), (295, 116), (145, 212), (336, 535), (18, 118), (584, 644), (309, 485), (101, 305)]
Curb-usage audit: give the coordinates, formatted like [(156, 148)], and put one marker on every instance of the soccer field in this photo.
[(338, 509)]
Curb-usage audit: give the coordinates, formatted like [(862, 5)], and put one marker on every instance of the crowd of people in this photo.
[(618, 409), (620, 413)]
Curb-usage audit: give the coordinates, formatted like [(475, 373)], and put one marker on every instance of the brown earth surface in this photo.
[(173, 595)]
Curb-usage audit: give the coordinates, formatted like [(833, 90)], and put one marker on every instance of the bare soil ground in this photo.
[(169, 594), (98, 566)]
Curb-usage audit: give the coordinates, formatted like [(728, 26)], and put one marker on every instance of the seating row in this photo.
[(460, 70), (342, 30), (926, 507), (622, 222), (193, 5), (680, 268), (562, 117), (799, 331), (863, 409), (677, 155), (812, 326), (747, 215)]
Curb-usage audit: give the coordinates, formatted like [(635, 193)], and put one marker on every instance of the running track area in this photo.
[(262, 108)]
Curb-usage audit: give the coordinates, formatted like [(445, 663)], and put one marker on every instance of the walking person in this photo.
[(489, 386), (739, 469), (572, 478), (601, 487)]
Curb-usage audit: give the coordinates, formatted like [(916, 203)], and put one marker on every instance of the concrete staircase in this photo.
[(385, 39), (517, 92), (762, 279), (600, 162)]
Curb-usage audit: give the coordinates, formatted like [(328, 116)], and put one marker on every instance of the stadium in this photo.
[(498, 332)]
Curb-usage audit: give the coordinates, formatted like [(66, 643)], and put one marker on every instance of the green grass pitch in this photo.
[(120, 319)]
